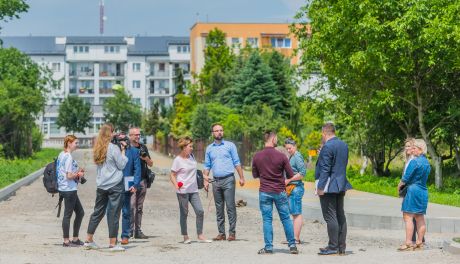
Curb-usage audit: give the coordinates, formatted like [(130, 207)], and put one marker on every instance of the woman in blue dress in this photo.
[(416, 200)]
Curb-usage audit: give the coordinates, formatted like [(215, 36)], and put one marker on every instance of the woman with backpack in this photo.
[(69, 175), (110, 160)]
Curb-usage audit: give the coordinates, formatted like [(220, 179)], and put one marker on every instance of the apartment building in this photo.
[(238, 35), (88, 67)]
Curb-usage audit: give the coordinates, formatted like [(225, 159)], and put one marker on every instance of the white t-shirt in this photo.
[(65, 164), (185, 170)]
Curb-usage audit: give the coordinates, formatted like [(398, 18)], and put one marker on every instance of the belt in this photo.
[(223, 177)]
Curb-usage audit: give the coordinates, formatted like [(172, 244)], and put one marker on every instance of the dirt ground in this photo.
[(31, 233)]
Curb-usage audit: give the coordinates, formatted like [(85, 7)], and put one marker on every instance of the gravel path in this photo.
[(31, 233)]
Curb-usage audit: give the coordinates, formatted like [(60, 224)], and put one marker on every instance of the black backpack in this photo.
[(50, 178)]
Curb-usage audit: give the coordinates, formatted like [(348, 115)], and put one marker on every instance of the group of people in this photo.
[(280, 184), (122, 174)]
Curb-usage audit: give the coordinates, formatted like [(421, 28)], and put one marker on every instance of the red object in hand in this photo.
[(180, 184)]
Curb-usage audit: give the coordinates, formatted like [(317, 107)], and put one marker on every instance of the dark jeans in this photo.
[(71, 204), (137, 205), (126, 215), (266, 201), (334, 215), (195, 201), (112, 200), (224, 195)]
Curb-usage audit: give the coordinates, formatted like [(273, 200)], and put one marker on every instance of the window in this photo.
[(179, 49), (81, 49), (161, 67), (56, 66), (183, 49), (137, 101), (253, 42), (281, 42), (236, 41), (136, 67), (136, 84), (163, 84), (111, 49)]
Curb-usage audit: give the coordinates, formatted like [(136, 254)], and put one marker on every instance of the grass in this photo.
[(449, 195), (456, 239), (13, 170)]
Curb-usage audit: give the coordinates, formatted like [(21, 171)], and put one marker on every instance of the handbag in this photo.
[(403, 191), (150, 177), (290, 188), (199, 179)]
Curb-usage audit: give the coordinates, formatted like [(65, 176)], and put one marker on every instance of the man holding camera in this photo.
[(137, 198), (132, 180)]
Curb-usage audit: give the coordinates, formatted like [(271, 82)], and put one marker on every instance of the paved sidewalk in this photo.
[(31, 233), (364, 210)]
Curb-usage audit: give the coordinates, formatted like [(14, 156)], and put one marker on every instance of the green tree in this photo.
[(23, 89), (404, 54), (151, 121), (254, 85), (121, 111), (10, 9), (180, 82), (201, 123), (74, 115), (218, 62)]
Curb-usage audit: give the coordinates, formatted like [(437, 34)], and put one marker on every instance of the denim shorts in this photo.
[(295, 200)]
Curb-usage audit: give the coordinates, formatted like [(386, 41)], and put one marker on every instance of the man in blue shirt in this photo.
[(222, 159)]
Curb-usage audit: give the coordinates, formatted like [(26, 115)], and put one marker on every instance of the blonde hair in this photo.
[(69, 139), (183, 142), (420, 143), (102, 144), (411, 141)]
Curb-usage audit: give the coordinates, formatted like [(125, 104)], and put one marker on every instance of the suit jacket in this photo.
[(331, 167), (133, 167)]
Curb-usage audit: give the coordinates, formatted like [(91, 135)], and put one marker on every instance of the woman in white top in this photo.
[(69, 175), (183, 178)]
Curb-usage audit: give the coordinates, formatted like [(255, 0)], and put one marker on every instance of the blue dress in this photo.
[(415, 177)]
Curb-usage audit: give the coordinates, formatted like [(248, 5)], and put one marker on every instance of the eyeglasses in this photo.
[(136, 135), (220, 130)]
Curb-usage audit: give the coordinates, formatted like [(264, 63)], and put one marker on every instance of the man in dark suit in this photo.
[(331, 185)]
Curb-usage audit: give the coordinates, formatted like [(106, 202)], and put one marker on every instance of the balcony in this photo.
[(111, 70), (105, 91), (86, 90), (159, 74), (160, 91), (81, 70), (111, 74)]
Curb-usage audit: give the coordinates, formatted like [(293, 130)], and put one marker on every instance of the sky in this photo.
[(142, 17)]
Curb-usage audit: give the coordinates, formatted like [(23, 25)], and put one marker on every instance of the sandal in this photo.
[(264, 251), (418, 246), (405, 247)]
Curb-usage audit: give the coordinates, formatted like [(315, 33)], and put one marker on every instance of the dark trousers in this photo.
[(112, 200), (71, 204), (334, 215), (137, 206), (224, 195)]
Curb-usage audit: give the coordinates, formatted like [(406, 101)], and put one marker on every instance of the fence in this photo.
[(169, 146)]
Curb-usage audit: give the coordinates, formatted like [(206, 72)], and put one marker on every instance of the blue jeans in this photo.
[(266, 201), (126, 216), (295, 200)]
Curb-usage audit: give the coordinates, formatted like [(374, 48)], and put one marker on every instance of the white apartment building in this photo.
[(88, 67)]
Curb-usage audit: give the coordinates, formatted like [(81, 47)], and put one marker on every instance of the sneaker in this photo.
[(293, 250), (116, 248), (264, 251), (77, 242), (68, 244), (188, 241), (90, 245)]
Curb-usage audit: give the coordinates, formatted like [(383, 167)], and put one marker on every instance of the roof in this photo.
[(155, 45), (32, 45), (99, 40), (37, 45)]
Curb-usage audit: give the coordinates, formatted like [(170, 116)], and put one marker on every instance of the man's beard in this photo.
[(218, 137)]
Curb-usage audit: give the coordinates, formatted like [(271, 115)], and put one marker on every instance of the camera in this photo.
[(118, 138), (143, 153)]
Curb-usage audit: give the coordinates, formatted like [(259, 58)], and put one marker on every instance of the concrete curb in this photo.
[(452, 247), (12, 188), (434, 225)]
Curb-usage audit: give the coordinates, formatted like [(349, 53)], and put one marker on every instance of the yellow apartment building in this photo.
[(261, 35)]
